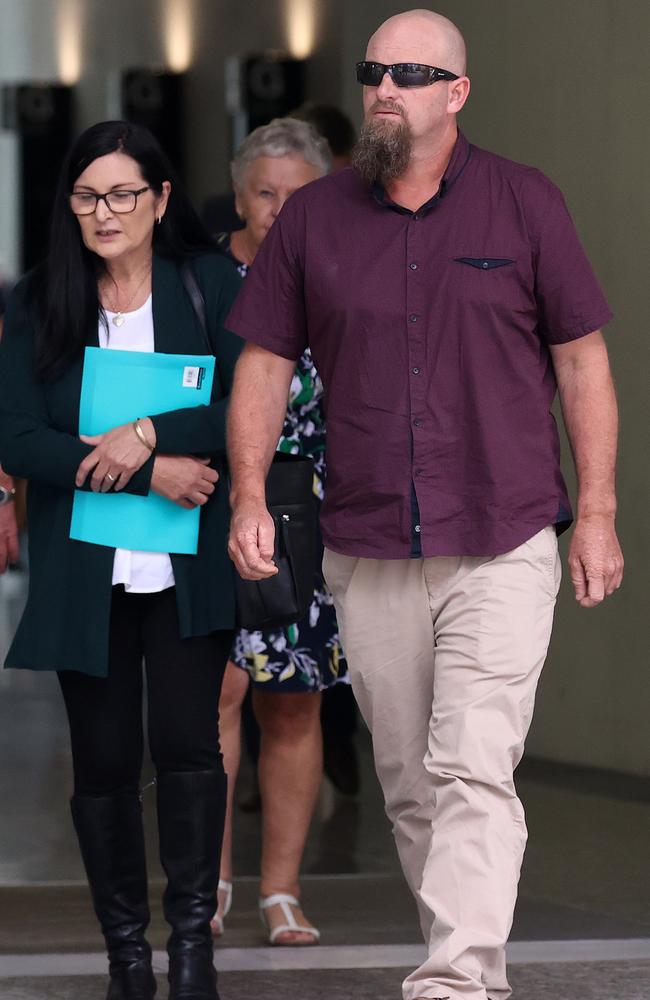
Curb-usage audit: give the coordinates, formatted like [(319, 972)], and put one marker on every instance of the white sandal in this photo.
[(216, 924), (285, 902)]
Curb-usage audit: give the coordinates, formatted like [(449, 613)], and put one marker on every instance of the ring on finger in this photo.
[(112, 478)]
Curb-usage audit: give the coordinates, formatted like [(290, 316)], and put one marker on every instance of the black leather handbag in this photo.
[(285, 598)]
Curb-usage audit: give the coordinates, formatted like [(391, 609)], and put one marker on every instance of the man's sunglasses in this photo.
[(370, 74)]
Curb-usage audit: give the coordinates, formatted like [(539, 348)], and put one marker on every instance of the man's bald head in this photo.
[(419, 36), (403, 125)]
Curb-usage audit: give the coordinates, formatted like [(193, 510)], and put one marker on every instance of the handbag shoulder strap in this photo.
[(193, 289)]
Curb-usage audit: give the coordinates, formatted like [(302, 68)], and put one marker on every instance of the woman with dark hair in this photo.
[(127, 255)]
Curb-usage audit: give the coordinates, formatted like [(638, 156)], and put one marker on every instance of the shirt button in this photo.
[(413, 318), (418, 528), (417, 423), (416, 371), (485, 265), (413, 267), (418, 472)]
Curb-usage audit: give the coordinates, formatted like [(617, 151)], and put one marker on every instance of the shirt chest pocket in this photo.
[(503, 282)]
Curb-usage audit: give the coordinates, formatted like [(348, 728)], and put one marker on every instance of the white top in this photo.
[(140, 572)]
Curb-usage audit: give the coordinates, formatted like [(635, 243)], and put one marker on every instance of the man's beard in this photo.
[(383, 151)]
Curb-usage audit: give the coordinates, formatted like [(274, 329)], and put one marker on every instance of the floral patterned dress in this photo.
[(306, 656)]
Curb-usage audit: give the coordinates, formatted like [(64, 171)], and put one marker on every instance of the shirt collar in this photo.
[(459, 158)]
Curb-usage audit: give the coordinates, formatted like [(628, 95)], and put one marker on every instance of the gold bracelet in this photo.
[(138, 430)]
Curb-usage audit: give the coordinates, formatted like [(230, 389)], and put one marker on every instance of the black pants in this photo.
[(183, 685)]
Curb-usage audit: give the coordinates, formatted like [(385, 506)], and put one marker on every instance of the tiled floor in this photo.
[(586, 874), (597, 981)]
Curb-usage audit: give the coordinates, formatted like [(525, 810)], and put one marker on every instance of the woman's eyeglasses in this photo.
[(120, 202), (370, 74)]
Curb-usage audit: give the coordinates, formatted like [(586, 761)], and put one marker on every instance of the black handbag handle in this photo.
[(193, 289), (196, 298)]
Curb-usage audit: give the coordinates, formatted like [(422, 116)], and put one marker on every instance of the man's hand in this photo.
[(257, 408), (9, 549), (187, 481), (252, 536), (591, 418), (595, 559), (117, 455)]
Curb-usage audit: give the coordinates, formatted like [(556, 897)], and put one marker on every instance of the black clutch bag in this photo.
[(285, 598)]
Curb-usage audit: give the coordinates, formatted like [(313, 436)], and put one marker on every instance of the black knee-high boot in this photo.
[(111, 838), (191, 814)]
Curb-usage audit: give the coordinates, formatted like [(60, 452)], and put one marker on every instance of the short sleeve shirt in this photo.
[(431, 333)]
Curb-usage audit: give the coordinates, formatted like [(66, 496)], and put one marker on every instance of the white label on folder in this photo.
[(193, 376)]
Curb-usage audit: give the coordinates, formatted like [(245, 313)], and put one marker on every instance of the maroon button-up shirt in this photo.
[(430, 331)]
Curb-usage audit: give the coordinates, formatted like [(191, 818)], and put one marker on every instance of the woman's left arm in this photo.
[(198, 430), (201, 430), (9, 548), (30, 445)]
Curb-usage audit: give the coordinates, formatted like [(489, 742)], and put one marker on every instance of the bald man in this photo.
[(445, 296)]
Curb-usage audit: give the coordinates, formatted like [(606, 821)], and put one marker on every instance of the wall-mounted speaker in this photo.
[(262, 87), (272, 87), (41, 115), (156, 99)]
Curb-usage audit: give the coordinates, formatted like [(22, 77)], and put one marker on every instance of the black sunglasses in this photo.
[(370, 74)]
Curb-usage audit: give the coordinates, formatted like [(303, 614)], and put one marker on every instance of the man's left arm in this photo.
[(590, 415)]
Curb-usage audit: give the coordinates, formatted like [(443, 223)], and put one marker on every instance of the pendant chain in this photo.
[(119, 317)]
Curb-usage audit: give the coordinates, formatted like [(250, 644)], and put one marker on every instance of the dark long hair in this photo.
[(64, 288)]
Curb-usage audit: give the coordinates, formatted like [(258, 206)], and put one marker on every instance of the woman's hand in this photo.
[(9, 548), (185, 480), (117, 455)]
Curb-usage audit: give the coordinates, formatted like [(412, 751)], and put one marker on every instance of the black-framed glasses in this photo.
[(120, 202), (370, 74)]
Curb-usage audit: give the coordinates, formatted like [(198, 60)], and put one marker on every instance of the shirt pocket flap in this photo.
[(485, 263)]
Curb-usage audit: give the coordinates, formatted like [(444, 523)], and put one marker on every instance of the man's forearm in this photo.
[(258, 406), (591, 418)]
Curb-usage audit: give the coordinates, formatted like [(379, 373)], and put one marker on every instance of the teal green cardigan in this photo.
[(65, 624)]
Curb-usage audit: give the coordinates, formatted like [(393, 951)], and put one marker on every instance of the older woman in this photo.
[(288, 668), (123, 237)]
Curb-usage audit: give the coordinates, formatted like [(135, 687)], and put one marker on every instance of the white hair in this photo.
[(281, 137)]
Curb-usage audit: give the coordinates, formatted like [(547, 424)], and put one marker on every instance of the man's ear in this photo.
[(458, 94)]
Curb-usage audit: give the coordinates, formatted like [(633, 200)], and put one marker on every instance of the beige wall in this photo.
[(561, 85)]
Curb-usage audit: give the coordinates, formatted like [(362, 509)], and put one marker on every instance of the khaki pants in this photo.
[(445, 654)]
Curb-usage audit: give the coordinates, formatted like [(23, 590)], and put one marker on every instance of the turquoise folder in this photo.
[(117, 387)]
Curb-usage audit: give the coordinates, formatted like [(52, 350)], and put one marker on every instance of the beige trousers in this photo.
[(445, 654)]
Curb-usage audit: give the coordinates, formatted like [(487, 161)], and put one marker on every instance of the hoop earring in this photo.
[(159, 219)]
